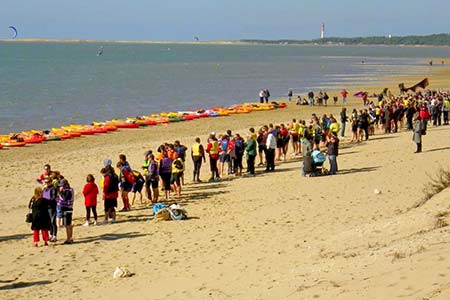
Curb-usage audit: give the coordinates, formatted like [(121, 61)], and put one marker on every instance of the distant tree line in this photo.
[(442, 39)]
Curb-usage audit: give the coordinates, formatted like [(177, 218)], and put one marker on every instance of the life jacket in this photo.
[(196, 150), (49, 193), (224, 145), (177, 166), (214, 148)]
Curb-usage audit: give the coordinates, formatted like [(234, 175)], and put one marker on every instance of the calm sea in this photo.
[(52, 84)]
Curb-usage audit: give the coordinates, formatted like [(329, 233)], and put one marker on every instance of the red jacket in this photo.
[(90, 192)]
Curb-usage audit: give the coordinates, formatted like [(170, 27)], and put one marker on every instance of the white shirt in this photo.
[(271, 142)]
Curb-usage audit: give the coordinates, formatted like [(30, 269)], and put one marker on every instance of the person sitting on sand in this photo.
[(307, 148)]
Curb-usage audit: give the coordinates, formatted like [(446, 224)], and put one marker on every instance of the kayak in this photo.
[(13, 143)]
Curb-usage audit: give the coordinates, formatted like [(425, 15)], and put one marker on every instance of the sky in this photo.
[(211, 20)]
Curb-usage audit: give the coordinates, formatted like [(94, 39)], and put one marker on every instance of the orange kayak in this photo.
[(13, 143)]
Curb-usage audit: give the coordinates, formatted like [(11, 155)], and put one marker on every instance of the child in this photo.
[(137, 186), (40, 217), (90, 192)]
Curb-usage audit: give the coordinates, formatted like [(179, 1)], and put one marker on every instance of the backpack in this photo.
[(113, 184), (239, 146), (178, 164), (138, 178), (224, 145), (181, 152)]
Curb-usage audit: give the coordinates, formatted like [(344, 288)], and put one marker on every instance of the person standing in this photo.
[(446, 109), (213, 150), (110, 193), (65, 201), (127, 180), (261, 96), (332, 151), (290, 93), (153, 176), (145, 167), (417, 132), (344, 95), (250, 148), (311, 98), (344, 120), (238, 149), (40, 218), (177, 171), (165, 172), (90, 192), (50, 193), (271, 145), (197, 155), (266, 95)]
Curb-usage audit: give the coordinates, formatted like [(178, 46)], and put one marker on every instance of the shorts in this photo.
[(279, 143), (126, 186), (67, 216), (294, 138), (59, 213), (137, 187), (224, 157), (165, 177), (176, 178), (110, 204), (261, 148), (154, 182)]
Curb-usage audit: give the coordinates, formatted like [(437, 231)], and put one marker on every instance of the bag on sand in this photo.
[(29, 217)]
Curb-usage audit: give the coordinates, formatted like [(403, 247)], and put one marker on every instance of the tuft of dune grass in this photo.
[(435, 186)]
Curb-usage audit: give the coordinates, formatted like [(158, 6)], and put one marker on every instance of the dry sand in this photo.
[(273, 236)]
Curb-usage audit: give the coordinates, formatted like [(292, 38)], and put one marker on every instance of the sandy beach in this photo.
[(273, 236)]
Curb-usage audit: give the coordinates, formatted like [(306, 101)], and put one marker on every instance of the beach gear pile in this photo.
[(76, 130), (173, 212)]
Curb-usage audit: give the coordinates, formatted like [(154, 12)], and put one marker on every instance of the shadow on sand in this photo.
[(18, 285)]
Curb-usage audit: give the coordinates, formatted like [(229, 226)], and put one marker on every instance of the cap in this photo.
[(107, 162), (63, 182), (213, 133)]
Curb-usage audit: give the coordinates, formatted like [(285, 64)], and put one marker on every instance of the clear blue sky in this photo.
[(181, 20)]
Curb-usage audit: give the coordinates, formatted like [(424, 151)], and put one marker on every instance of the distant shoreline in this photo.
[(136, 42)]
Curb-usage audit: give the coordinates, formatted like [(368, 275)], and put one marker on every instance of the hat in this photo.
[(63, 182), (213, 133), (107, 162)]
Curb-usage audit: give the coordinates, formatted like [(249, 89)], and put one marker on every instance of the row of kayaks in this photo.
[(75, 130)]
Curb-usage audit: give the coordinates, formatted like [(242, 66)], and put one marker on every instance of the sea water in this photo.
[(44, 85)]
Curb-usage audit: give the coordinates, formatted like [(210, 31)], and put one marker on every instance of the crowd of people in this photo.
[(163, 169)]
